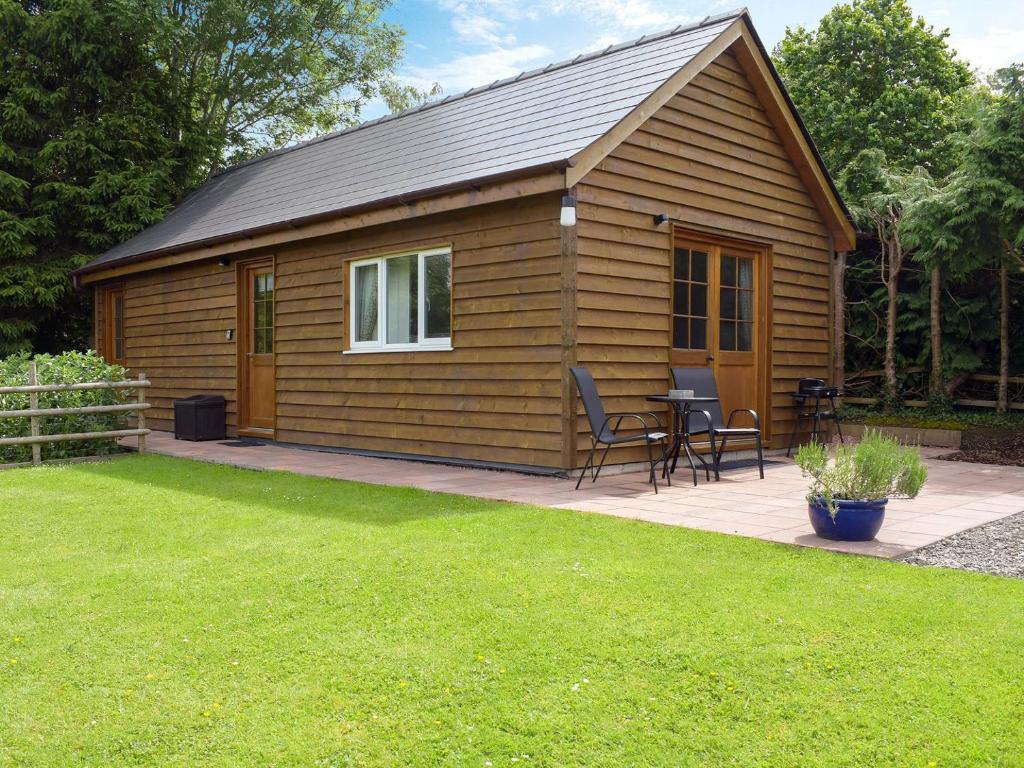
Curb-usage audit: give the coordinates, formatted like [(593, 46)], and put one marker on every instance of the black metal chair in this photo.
[(709, 422), (816, 390), (603, 434)]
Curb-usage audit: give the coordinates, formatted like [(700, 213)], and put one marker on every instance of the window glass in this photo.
[(366, 312), (402, 280), (408, 296), (438, 312), (263, 314), (689, 299), (736, 303)]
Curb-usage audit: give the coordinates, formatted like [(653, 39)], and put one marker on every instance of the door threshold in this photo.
[(263, 434)]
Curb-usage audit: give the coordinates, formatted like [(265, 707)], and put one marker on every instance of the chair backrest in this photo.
[(591, 400), (702, 382)]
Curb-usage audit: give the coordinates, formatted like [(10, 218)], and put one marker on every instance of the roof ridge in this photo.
[(526, 74)]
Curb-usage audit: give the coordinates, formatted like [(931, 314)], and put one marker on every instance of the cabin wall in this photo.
[(712, 160), (175, 332), (495, 397)]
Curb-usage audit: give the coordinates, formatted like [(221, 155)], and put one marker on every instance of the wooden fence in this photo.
[(35, 414), (976, 390)]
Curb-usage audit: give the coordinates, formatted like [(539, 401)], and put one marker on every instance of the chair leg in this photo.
[(650, 458), (664, 454), (590, 460), (718, 456), (601, 465), (714, 461), (760, 457)]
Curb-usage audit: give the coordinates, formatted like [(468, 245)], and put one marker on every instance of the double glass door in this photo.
[(717, 310)]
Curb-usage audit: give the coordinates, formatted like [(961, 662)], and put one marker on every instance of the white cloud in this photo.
[(474, 28), (996, 48), (470, 70)]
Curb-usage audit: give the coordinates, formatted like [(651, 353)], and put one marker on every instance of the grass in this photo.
[(161, 612)]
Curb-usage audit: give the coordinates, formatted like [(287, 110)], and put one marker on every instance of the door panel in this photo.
[(718, 318), (257, 396)]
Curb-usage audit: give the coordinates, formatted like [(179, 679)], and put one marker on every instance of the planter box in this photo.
[(937, 438)]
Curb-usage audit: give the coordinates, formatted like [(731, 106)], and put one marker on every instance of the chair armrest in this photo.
[(707, 419), (753, 415), (620, 417)]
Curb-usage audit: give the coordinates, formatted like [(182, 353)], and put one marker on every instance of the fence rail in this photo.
[(35, 414), (975, 390)]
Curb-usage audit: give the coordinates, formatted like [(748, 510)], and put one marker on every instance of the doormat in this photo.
[(242, 443)]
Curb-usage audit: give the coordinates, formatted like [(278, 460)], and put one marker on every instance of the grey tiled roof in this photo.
[(536, 119)]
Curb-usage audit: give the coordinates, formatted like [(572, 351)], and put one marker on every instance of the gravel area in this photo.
[(996, 547)]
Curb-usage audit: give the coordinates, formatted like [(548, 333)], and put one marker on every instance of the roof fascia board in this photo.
[(480, 193), (587, 159)]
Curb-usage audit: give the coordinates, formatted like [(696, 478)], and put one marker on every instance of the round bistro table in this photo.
[(681, 407)]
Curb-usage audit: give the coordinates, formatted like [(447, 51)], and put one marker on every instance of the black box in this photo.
[(200, 417)]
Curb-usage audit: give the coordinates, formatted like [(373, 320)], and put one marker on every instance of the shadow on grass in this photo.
[(284, 492)]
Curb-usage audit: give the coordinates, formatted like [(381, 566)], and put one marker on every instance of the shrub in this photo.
[(876, 468), (66, 368)]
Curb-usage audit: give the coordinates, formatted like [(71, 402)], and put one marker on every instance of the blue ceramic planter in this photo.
[(855, 520)]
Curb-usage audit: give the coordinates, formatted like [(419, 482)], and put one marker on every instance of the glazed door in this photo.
[(257, 397), (717, 296)]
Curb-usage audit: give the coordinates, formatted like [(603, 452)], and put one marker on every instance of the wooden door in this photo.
[(256, 397), (719, 317)]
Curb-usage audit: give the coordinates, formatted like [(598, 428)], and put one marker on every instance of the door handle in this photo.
[(709, 358)]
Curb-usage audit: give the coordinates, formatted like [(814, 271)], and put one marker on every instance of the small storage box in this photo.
[(200, 417)]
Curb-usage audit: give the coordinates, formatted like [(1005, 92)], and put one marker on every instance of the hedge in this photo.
[(66, 368)]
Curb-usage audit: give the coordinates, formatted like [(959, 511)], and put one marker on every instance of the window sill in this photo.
[(380, 350)]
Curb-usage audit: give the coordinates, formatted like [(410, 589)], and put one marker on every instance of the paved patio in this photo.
[(956, 497)]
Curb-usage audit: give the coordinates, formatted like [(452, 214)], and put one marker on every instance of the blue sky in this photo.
[(461, 44)]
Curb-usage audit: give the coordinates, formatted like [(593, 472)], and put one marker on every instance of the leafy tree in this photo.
[(883, 211), (84, 157), (111, 110), (980, 213), (248, 76), (873, 79), (871, 76)]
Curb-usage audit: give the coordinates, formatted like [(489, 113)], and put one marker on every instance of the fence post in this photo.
[(141, 418), (33, 403)]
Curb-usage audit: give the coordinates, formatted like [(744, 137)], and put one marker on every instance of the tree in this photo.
[(893, 193), (981, 211), (872, 77), (248, 76), (84, 157), (111, 110)]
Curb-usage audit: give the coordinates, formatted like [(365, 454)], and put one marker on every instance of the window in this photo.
[(690, 299), (263, 313), (736, 295), (402, 302), (113, 326)]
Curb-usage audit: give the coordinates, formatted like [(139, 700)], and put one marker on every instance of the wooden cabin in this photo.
[(405, 287)]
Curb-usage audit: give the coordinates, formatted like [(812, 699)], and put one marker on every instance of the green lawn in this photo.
[(162, 612)]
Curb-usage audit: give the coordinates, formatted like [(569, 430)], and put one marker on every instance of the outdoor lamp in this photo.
[(568, 217)]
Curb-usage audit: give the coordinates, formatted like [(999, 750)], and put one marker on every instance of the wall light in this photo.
[(568, 217), (223, 262), (661, 218)]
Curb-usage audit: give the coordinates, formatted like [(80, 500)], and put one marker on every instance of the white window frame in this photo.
[(381, 345)]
